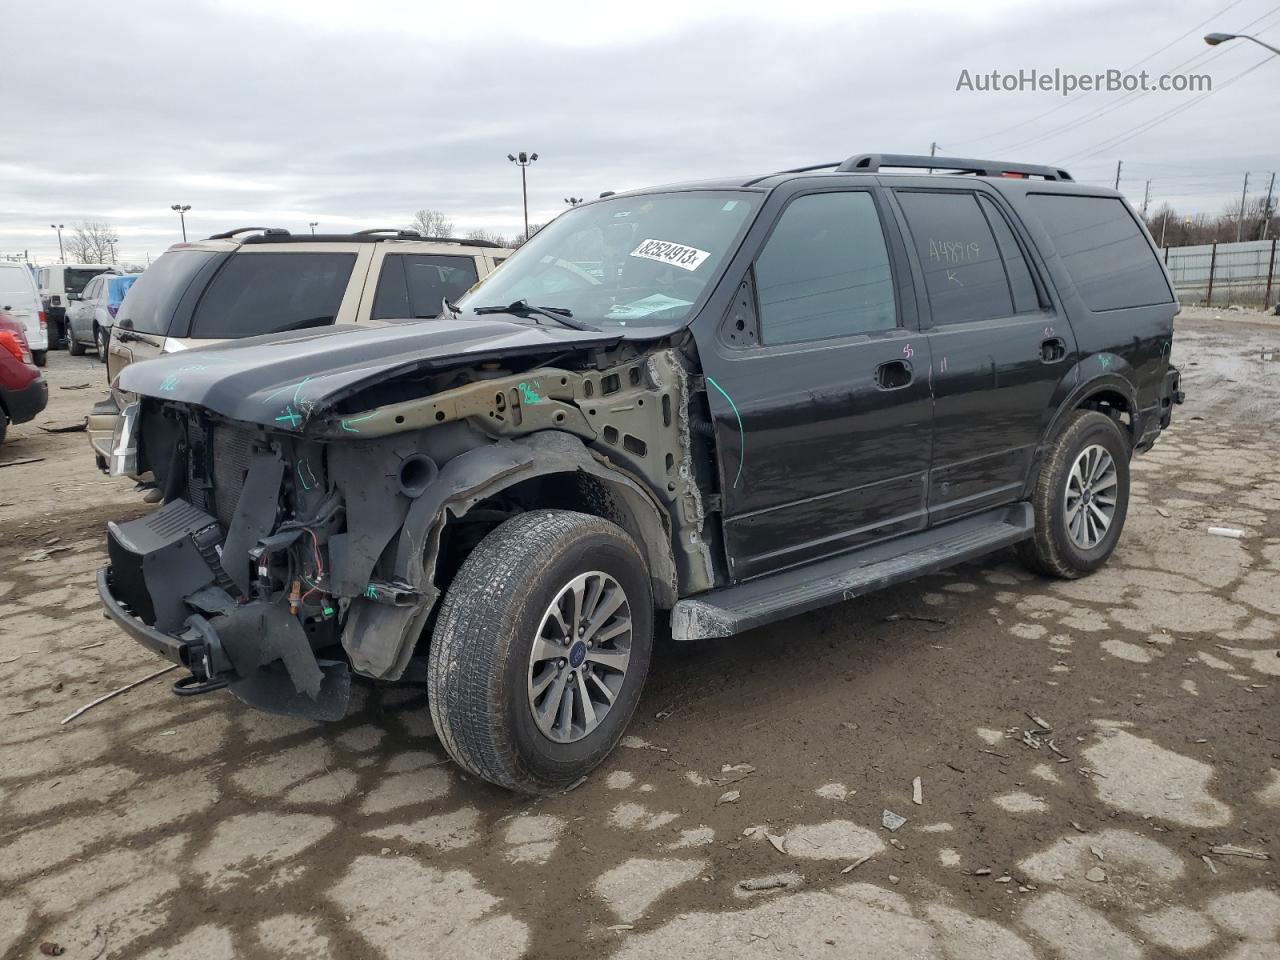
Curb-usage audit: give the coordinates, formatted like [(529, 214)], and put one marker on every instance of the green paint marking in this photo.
[(302, 384), (170, 382), (303, 480), (346, 424), (1105, 360), (371, 592), (290, 417), (742, 436), (529, 393)]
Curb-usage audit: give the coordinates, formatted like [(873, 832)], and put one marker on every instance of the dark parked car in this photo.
[(24, 392), (731, 401)]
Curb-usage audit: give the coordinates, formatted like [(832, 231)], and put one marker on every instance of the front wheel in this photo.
[(1081, 498), (74, 346), (39, 357), (541, 650), (101, 337)]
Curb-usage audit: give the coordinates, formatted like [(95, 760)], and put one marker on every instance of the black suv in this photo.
[(733, 401)]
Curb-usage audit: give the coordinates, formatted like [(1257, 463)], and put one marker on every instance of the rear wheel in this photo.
[(1081, 498), (101, 337), (541, 650), (74, 346), (39, 357)]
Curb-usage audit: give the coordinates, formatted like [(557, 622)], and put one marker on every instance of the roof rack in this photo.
[(228, 234), (872, 162)]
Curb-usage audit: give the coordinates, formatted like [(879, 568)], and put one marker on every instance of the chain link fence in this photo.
[(1221, 274)]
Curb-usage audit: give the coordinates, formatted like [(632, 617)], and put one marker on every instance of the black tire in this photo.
[(479, 663), (39, 357), (1051, 551), (74, 346), (101, 338), (4, 425)]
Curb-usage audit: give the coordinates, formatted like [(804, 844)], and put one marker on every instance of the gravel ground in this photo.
[(1084, 750)]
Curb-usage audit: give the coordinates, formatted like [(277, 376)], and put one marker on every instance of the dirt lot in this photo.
[(154, 826)]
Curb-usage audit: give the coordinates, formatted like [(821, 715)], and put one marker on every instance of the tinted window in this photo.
[(1104, 250), (1026, 299), (412, 285), (259, 293), (963, 272), (76, 280), (824, 271), (155, 295)]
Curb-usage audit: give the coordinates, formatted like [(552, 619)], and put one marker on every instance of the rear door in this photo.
[(1000, 352), (20, 299), (823, 421)]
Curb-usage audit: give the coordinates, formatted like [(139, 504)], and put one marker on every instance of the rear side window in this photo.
[(1104, 250), (117, 287), (412, 285), (824, 271), (257, 293), (154, 296), (963, 272)]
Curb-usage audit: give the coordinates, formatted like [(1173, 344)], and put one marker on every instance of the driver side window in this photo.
[(824, 272)]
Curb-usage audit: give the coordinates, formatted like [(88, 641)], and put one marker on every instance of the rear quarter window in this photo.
[(257, 293), (154, 296), (1103, 249)]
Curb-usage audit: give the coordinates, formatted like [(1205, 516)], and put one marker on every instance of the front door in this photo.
[(823, 421), (1000, 353)]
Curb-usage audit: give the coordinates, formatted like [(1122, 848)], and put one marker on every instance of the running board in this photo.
[(730, 610)]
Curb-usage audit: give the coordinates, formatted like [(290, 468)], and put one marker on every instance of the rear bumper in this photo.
[(25, 402), (1156, 418)]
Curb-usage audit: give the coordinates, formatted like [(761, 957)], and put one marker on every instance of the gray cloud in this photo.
[(284, 117)]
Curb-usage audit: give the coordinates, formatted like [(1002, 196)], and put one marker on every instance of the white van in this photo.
[(21, 300), (61, 285)]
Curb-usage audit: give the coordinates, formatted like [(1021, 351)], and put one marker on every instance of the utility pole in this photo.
[(1119, 164), (1266, 207), (1146, 198), (1164, 225), (1243, 194)]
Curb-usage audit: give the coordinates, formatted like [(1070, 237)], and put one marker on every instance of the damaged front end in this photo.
[(315, 540)]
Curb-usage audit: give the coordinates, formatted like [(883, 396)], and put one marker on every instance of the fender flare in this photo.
[(1082, 391), (380, 637)]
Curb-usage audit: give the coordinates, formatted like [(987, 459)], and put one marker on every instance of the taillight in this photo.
[(11, 343), (55, 300), (44, 323), (112, 308)]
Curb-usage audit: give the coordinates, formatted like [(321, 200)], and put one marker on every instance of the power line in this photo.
[(1084, 93), (1112, 142), (1204, 57)]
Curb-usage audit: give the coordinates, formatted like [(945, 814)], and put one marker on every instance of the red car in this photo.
[(23, 389)]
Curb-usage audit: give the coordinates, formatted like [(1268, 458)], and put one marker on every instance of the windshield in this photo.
[(629, 261)]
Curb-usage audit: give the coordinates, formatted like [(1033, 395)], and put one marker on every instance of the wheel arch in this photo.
[(1109, 394)]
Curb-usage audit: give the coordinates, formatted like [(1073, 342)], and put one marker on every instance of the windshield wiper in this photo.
[(560, 315)]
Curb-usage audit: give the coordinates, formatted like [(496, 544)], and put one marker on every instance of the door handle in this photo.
[(1052, 350), (893, 374)]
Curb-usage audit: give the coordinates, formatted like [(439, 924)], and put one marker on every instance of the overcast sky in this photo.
[(357, 114)]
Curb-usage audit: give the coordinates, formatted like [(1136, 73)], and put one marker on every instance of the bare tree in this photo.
[(91, 242), (522, 237), (489, 236), (432, 223)]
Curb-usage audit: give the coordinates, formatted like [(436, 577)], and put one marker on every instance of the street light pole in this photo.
[(313, 224), (523, 160), (573, 201), (1213, 39), (62, 256), (182, 209)]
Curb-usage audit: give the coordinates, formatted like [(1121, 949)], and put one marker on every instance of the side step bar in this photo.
[(731, 610)]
